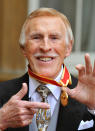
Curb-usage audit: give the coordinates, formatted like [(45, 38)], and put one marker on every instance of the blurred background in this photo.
[(81, 14)]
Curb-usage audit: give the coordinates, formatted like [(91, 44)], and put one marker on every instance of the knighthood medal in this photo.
[(64, 98), (64, 82)]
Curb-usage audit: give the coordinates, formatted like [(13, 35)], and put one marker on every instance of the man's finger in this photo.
[(33, 105), (81, 69), (88, 64), (94, 69), (22, 92), (70, 92)]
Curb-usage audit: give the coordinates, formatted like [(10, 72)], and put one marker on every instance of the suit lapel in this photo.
[(25, 79)]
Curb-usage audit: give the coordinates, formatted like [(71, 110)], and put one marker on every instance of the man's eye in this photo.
[(36, 37), (54, 38)]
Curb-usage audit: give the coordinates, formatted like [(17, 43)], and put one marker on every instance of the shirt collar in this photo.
[(33, 84)]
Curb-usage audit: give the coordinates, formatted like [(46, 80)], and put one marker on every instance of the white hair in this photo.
[(47, 12)]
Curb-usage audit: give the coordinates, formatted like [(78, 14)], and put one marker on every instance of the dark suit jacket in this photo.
[(69, 117)]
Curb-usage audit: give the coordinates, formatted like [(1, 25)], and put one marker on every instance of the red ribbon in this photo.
[(65, 79)]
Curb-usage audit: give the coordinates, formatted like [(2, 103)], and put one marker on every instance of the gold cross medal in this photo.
[(64, 98)]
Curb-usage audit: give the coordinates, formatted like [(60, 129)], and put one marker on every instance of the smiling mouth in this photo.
[(45, 59)]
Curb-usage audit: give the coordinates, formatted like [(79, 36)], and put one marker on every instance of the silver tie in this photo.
[(43, 115)]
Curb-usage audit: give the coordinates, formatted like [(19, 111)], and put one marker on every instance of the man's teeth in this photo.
[(45, 59)]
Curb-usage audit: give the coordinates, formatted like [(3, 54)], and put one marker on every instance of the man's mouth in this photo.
[(45, 59)]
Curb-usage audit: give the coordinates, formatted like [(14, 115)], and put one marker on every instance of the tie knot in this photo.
[(43, 91)]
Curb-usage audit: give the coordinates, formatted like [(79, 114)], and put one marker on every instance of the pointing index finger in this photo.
[(37, 105)]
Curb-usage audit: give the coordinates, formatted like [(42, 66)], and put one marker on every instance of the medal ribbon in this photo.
[(65, 80)]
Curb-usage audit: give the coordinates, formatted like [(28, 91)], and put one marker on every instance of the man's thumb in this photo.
[(22, 92)]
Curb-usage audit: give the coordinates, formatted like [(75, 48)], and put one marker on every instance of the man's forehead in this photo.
[(44, 21)]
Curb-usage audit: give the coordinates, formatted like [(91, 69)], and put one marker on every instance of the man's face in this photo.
[(45, 46)]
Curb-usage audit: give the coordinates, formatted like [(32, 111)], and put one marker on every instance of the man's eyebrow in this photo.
[(35, 33), (51, 33), (56, 33)]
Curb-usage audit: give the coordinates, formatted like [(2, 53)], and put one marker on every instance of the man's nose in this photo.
[(45, 45)]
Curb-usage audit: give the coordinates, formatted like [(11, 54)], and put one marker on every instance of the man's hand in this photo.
[(85, 90), (19, 113)]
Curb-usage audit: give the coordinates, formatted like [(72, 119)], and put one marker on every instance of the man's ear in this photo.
[(68, 49)]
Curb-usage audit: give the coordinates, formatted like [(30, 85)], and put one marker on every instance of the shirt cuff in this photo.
[(92, 112)]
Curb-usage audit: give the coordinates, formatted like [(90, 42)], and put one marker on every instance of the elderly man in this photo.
[(32, 102)]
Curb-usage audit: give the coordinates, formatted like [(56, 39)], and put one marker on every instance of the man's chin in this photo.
[(47, 73)]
